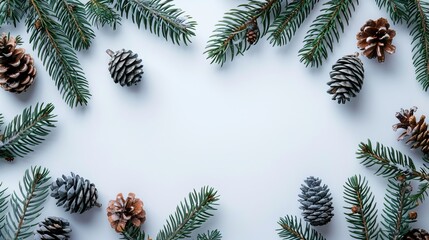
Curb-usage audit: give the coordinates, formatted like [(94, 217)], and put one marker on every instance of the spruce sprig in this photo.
[(101, 13), (396, 8), (26, 130), (73, 18), (229, 38), (363, 221), (421, 194), (324, 31), (160, 17), (418, 19), (397, 205), (3, 205), (57, 53), (210, 235), (132, 232), (190, 214), (292, 229), (11, 11), (290, 19), (27, 204)]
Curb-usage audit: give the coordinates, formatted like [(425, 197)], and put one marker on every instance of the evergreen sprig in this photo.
[(292, 229), (160, 17), (418, 18), (290, 19), (73, 18), (189, 215), (396, 8), (397, 205), (210, 235), (3, 206), (27, 204), (26, 130), (11, 11), (363, 220), (421, 194), (229, 38), (324, 31), (101, 13), (132, 232)]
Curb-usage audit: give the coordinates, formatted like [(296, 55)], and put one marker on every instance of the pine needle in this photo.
[(100, 13), (396, 8), (292, 229), (11, 11), (210, 235)]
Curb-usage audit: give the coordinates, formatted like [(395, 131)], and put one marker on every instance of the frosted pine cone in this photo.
[(416, 131), (316, 202), (122, 211), (53, 228), (125, 67)]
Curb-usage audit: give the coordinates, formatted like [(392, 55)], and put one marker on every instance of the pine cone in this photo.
[(53, 228), (316, 202), (417, 132), (346, 78), (125, 67), (252, 33), (74, 193), (121, 211), (416, 234), (375, 38), (17, 69)]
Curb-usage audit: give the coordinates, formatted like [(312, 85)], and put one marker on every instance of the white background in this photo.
[(254, 129)]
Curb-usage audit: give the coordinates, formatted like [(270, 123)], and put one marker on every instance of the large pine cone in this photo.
[(416, 234), (375, 38), (53, 228), (122, 211), (316, 202), (17, 69), (125, 67), (417, 132), (75, 193), (346, 78)]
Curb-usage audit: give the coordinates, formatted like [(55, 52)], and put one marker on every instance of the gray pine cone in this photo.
[(416, 234), (125, 67), (346, 78), (75, 193), (53, 228), (316, 202)]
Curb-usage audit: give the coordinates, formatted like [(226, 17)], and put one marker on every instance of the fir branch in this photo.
[(287, 23), (190, 215), (132, 232), (72, 15), (398, 204), (421, 193), (11, 11), (325, 30), (100, 13), (160, 17), (3, 206), (363, 220), (396, 8), (418, 18), (27, 205), (229, 38), (210, 235), (57, 54), (292, 229), (27, 130)]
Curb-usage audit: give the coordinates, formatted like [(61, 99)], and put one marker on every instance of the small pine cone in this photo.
[(125, 67), (53, 228), (122, 211), (346, 78), (375, 38), (316, 202), (416, 234), (17, 71), (252, 33), (416, 131), (75, 193)]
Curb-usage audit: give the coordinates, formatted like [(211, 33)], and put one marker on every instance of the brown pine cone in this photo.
[(416, 131), (416, 234), (375, 38), (121, 211), (252, 33), (17, 69)]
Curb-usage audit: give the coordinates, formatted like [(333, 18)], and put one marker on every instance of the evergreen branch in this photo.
[(161, 18), (292, 229), (11, 11), (210, 235), (324, 30), (397, 9), (3, 206), (362, 214), (57, 54), (27, 206), (100, 13), (190, 215), (72, 15), (229, 38), (287, 23), (27, 130), (132, 232), (418, 18), (421, 193)]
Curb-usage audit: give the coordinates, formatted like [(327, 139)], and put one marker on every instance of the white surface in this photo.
[(254, 129)]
